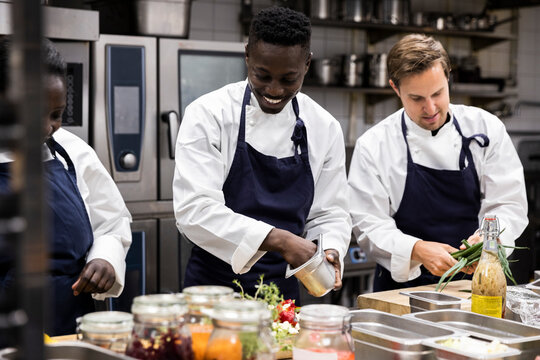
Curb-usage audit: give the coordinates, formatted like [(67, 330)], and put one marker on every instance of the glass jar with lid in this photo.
[(201, 300), (159, 332), (324, 333), (241, 332), (107, 329)]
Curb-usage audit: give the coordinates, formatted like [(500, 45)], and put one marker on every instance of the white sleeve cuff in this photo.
[(401, 266), (247, 253), (110, 249)]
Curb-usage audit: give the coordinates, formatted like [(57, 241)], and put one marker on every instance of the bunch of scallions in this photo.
[(470, 255)]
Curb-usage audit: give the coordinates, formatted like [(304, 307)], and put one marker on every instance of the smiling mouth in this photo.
[(272, 101)]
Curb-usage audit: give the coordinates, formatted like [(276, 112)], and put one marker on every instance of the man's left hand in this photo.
[(333, 258), (97, 277)]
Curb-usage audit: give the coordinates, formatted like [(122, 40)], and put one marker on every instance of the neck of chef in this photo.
[(434, 132)]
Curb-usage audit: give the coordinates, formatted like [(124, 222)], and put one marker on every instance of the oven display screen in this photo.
[(126, 110)]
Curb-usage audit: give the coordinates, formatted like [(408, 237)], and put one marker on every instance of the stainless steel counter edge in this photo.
[(60, 23), (150, 209)]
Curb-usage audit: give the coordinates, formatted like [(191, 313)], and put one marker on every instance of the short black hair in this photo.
[(54, 62), (281, 26)]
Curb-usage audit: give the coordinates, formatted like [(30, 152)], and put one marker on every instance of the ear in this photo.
[(396, 89), (308, 62)]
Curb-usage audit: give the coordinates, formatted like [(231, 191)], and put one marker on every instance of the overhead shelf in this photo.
[(379, 32)]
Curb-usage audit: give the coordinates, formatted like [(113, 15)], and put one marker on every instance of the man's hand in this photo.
[(294, 249), (473, 239), (333, 258), (97, 277), (434, 256)]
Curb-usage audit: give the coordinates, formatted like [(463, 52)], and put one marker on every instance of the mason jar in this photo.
[(201, 300), (107, 329), (325, 333), (159, 332), (241, 332)]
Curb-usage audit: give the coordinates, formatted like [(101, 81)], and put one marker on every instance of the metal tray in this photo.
[(447, 353), (432, 300), (70, 350), (508, 332), (392, 331)]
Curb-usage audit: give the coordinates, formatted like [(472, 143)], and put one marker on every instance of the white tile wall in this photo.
[(218, 20)]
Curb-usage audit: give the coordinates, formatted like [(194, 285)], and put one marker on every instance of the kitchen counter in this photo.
[(393, 302)]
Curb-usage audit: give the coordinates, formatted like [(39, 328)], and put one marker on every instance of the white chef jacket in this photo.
[(204, 154), (379, 168), (108, 214)]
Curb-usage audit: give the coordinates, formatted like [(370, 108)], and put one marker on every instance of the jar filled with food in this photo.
[(107, 329), (241, 332), (489, 282), (325, 333), (201, 300), (159, 332)]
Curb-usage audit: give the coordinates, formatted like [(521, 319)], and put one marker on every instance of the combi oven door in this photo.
[(187, 70)]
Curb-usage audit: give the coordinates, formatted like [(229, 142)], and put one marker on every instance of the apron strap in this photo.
[(465, 150), (299, 135), (404, 131), (245, 101), (57, 148)]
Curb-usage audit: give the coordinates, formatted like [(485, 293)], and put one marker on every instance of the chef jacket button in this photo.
[(251, 123)]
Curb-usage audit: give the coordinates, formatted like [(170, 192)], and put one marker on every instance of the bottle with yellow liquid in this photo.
[(489, 281)]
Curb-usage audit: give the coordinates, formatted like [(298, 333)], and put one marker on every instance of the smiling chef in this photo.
[(423, 178), (260, 168)]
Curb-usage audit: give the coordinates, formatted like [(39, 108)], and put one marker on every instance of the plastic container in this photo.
[(158, 331), (107, 329), (201, 300), (241, 332), (325, 333), (317, 274)]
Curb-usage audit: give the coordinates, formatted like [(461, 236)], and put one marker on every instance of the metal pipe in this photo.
[(26, 91)]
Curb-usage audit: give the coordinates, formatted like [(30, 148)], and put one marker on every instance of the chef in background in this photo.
[(423, 178), (89, 223), (260, 168)]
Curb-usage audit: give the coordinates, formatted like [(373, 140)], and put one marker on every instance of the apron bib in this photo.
[(71, 237), (276, 191), (437, 205)]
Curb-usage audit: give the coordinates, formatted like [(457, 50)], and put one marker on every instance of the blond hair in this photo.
[(414, 54)]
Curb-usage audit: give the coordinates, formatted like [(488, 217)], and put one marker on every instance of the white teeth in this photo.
[(271, 101)]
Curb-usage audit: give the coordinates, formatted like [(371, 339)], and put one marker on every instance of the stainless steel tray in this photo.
[(534, 286), (507, 332), (432, 300), (447, 353), (392, 331), (70, 350)]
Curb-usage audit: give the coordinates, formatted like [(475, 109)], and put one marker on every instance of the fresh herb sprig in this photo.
[(470, 255)]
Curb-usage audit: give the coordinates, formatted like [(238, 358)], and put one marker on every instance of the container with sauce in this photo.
[(201, 300), (241, 332), (325, 333), (159, 332)]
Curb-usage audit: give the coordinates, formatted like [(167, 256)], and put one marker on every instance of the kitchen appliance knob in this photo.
[(128, 160)]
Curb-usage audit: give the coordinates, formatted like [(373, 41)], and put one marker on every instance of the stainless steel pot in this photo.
[(326, 71), (358, 10), (378, 74), (321, 9), (395, 12), (353, 70)]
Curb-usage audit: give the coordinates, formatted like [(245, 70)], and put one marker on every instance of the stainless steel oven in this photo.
[(140, 88)]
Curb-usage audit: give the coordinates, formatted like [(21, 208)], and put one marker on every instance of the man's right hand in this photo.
[(434, 256), (294, 249)]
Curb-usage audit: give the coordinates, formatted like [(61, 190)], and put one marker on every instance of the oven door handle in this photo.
[(173, 125)]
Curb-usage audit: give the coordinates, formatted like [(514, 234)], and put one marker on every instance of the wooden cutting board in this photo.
[(393, 302)]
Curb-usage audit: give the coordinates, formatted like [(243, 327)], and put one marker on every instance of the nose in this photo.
[(274, 89), (430, 107)]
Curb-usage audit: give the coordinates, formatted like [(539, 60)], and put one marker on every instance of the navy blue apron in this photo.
[(437, 205), (276, 191), (71, 235)]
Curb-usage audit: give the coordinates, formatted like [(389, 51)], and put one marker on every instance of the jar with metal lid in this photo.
[(201, 300), (241, 332), (159, 332), (325, 333), (107, 329)]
